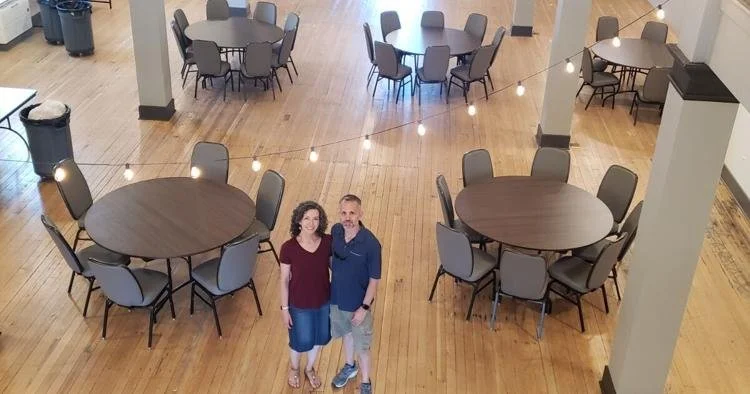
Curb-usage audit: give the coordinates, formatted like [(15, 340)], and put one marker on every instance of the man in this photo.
[(355, 269)]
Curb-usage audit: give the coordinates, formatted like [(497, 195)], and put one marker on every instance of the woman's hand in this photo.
[(286, 319)]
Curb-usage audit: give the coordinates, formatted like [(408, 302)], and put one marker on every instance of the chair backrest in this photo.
[(617, 189), (497, 40), (607, 27), (217, 9), (74, 189), (237, 264), (476, 25), (604, 263), (212, 159), (551, 163), (435, 64), (368, 42), (655, 31), (207, 57), (481, 62), (385, 56), (292, 23), (476, 166), (389, 22), (630, 226), (446, 202), (117, 282), (258, 59), (523, 275), (656, 84), (587, 66), (454, 251), (286, 46), (179, 39), (62, 245), (265, 12), (182, 24), (433, 19), (268, 201)]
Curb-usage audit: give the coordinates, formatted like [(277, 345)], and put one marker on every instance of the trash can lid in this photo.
[(73, 6)]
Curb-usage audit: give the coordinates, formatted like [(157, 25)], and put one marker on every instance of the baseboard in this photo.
[(606, 385), (151, 112), (736, 190), (521, 31), (551, 140)]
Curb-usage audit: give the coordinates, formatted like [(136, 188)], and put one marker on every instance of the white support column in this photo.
[(523, 18), (148, 22), (571, 25)]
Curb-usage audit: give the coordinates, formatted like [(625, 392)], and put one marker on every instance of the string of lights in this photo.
[(313, 154)]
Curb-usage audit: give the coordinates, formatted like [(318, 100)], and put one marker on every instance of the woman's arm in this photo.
[(285, 276)]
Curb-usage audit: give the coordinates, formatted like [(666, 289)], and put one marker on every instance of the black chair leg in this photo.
[(635, 117), (580, 312), (289, 74), (617, 285), (486, 96), (278, 81), (466, 93), (216, 314), (293, 65), (107, 304), (251, 285), (489, 78), (171, 303), (273, 250), (473, 298), (151, 318), (375, 87), (590, 98), (192, 297), (579, 89), (273, 89), (88, 296), (70, 285), (606, 303), (434, 284), (400, 85), (197, 77), (447, 94)]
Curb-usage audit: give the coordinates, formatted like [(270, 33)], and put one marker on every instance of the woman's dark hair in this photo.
[(299, 213)]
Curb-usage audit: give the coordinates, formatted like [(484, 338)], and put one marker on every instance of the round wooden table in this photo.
[(415, 40), (169, 217), (534, 213), (235, 32), (635, 53)]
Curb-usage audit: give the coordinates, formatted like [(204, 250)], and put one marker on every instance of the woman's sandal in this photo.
[(313, 378), (293, 379)]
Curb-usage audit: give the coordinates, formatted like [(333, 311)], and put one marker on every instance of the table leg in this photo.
[(10, 128)]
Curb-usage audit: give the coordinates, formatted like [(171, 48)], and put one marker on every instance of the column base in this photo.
[(237, 11), (551, 140), (150, 112), (606, 385), (521, 31)]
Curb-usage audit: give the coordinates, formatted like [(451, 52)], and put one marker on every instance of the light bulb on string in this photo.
[(421, 129), (128, 174), (367, 144), (569, 66), (313, 155), (472, 110), (616, 42), (256, 164), (520, 89), (195, 172), (60, 174), (660, 14)]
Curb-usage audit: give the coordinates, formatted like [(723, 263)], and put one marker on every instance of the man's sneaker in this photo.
[(347, 373), (365, 388)]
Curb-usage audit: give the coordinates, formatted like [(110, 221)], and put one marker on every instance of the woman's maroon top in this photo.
[(309, 286)]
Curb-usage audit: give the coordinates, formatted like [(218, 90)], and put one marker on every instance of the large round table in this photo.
[(415, 40), (534, 213), (635, 53), (235, 32)]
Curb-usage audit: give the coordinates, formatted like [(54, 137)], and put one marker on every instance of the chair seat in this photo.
[(101, 254), (264, 234), (599, 64), (461, 72), (604, 79), (403, 72), (591, 253), (483, 263), (420, 75), (207, 275), (246, 75), (572, 272), (152, 283), (224, 70)]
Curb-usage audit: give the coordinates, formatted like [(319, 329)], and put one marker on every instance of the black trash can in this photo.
[(75, 17), (51, 22), (49, 140)]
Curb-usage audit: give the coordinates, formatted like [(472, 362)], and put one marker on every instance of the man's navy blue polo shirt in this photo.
[(352, 266)]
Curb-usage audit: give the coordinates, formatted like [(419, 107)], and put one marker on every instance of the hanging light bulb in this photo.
[(195, 172), (256, 164), (472, 110), (616, 42), (421, 130), (569, 66), (128, 174), (660, 12), (313, 155), (367, 144), (60, 174), (520, 89)]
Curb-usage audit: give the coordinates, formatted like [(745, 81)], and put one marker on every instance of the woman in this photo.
[(305, 289)]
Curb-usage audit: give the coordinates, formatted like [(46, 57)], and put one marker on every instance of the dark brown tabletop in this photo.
[(534, 213), (235, 32), (169, 217), (634, 52), (416, 40)]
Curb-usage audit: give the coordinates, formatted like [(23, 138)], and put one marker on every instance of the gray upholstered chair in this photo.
[(133, 289), (458, 259), (434, 19), (476, 166), (212, 159), (217, 9), (497, 40), (290, 24), (182, 23), (389, 68), (475, 71), (449, 215), (552, 163), (265, 12), (256, 66), (616, 190), (654, 91), (208, 59), (79, 261), (267, 204), (370, 52), (389, 22), (606, 27), (434, 68), (187, 56), (591, 252), (524, 277), (281, 58), (226, 274), (476, 25), (598, 80), (76, 194), (655, 31), (578, 277)]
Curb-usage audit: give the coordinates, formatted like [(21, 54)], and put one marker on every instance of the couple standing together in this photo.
[(314, 308)]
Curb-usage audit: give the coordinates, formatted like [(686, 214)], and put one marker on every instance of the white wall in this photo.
[(739, 150)]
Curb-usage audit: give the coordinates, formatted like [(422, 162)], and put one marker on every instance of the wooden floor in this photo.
[(46, 345)]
